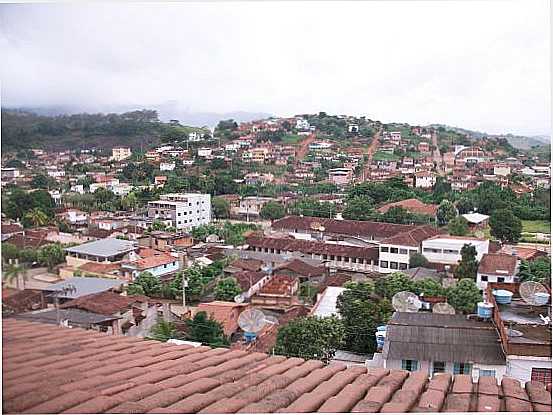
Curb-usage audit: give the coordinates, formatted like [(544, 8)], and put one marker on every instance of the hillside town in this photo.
[(403, 250)]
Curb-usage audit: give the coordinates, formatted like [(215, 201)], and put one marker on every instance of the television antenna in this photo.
[(252, 321), (239, 299), (443, 308), (533, 293), (405, 301)]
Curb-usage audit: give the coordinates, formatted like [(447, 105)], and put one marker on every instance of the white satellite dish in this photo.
[(533, 293), (443, 308), (405, 301), (239, 299), (252, 320)]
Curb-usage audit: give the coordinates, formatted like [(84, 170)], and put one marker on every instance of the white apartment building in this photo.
[(167, 166), (447, 249), (302, 124), (120, 153), (204, 152), (195, 136), (181, 210), (395, 135), (425, 179)]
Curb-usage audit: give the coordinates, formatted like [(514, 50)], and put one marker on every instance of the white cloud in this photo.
[(478, 64)]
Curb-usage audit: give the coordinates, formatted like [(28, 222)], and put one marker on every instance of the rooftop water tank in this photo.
[(502, 296), (485, 310), (541, 298)]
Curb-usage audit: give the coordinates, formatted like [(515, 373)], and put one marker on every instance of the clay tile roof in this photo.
[(50, 369), (20, 301), (8, 228), (247, 264), (412, 205), (245, 278), (23, 242), (99, 267), (302, 268), (341, 227), (106, 302), (279, 284), (498, 264), (225, 312), (413, 237)]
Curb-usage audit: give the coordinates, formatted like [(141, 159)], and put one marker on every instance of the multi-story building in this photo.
[(181, 210), (340, 176), (445, 249), (120, 153), (425, 179)]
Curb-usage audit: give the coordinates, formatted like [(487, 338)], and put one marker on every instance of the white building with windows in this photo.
[(446, 249), (181, 210), (120, 153), (497, 268)]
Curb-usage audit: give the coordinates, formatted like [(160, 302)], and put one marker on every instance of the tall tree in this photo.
[(464, 296), (446, 212), (458, 226), (311, 338), (36, 217), (15, 272), (50, 255), (468, 265), (359, 208), (202, 328), (393, 283), (272, 211), (226, 289), (505, 226), (362, 311), (221, 208)]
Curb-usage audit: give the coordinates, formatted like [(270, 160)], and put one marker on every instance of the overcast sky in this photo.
[(476, 64)]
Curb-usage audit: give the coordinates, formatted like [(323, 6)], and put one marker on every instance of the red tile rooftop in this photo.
[(59, 370)]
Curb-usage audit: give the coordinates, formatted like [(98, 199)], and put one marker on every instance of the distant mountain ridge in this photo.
[(518, 141)]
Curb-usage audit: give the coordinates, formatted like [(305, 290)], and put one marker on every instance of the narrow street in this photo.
[(373, 148)]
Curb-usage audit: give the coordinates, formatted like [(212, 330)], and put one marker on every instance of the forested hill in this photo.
[(24, 130)]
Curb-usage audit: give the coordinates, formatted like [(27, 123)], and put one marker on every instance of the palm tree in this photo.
[(37, 217), (17, 272)]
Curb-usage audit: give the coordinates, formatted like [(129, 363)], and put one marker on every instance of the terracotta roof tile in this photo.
[(139, 376)]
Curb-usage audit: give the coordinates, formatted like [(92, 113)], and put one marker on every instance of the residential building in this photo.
[(476, 220), (195, 136), (252, 205), (340, 176), (302, 124), (120, 153), (413, 206), (443, 343), (445, 249), (157, 263), (103, 250), (525, 335), (166, 241), (9, 174), (497, 268), (470, 155), (278, 292), (205, 152), (225, 312), (181, 210), (167, 166), (425, 179)]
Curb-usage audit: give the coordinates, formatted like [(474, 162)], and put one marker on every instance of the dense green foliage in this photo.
[(458, 226), (417, 260), (272, 211), (312, 207), (446, 212), (537, 270), (221, 208), (362, 311), (505, 226), (311, 338), (202, 328), (464, 296), (231, 233), (226, 289), (164, 330), (468, 265)]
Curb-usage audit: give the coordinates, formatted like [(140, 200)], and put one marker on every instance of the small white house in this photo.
[(497, 268), (444, 249), (167, 166), (425, 179)]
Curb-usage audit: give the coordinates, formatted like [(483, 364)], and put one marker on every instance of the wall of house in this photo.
[(520, 367), (163, 269), (449, 251), (493, 278), (401, 257)]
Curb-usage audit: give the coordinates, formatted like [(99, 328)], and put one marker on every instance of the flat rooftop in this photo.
[(104, 248), (85, 286)]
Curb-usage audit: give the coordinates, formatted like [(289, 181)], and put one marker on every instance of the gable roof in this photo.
[(106, 302), (302, 268), (498, 264), (412, 205), (357, 228), (50, 369), (413, 237), (442, 337)]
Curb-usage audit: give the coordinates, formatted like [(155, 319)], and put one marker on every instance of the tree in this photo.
[(464, 296), (359, 208), (164, 330), (17, 272), (538, 270), (458, 226), (468, 266), (465, 205), (272, 211), (221, 208), (362, 311), (41, 181), (50, 255), (311, 338), (417, 260), (393, 283), (145, 284), (227, 289), (36, 217), (505, 226), (446, 211), (206, 330), (429, 287), (312, 207), (129, 201), (9, 251)]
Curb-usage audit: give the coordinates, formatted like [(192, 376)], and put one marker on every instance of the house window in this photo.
[(338, 258), (486, 372), (500, 279), (383, 264), (394, 250), (393, 265), (410, 365), (403, 251), (384, 249), (402, 265), (438, 367), (541, 374), (484, 278), (413, 251), (462, 369)]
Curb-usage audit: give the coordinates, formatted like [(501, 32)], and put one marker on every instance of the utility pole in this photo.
[(184, 286)]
